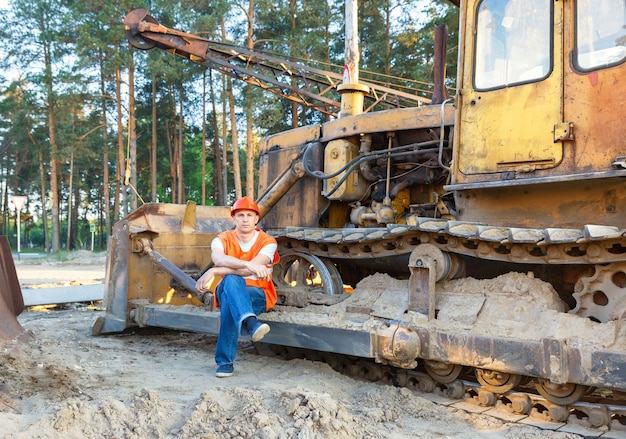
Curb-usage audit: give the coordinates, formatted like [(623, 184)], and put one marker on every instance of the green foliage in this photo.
[(62, 57), (60, 256), (35, 236)]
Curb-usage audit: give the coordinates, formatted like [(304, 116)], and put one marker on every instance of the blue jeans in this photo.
[(237, 303)]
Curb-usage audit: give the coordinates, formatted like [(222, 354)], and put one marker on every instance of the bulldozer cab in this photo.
[(512, 76), (540, 104), (523, 64)]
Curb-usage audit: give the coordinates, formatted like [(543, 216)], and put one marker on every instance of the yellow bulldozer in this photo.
[(482, 234)]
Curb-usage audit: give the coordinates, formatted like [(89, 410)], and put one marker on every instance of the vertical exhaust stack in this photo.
[(352, 93), (439, 64)]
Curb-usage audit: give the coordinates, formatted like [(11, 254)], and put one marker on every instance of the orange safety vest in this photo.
[(232, 248)]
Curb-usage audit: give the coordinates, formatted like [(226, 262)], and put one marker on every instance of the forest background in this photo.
[(91, 128)]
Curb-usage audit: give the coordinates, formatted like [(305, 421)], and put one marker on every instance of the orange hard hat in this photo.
[(245, 203)]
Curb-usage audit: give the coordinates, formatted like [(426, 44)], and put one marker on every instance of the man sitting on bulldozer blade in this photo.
[(243, 258)]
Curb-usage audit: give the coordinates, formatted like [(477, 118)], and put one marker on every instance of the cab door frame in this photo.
[(510, 127)]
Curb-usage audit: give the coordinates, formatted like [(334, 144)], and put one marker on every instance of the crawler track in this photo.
[(595, 254), (591, 245), (593, 416)]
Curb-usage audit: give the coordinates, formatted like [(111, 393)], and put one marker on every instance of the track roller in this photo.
[(497, 382), (520, 403), (486, 398), (562, 394), (368, 371), (598, 416), (558, 413), (444, 373), (455, 389), (420, 382)]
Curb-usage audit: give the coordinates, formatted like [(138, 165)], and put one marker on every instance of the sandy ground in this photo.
[(161, 384)]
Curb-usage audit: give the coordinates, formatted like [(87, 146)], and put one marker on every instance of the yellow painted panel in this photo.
[(518, 139), (511, 129), (595, 101)]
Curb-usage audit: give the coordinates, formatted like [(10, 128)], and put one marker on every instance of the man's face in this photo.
[(245, 220)]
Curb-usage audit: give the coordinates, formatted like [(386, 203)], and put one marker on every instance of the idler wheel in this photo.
[(562, 394), (308, 272), (443, 373), (497, 382)]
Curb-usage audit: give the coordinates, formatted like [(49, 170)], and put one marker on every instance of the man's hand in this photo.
[(259, 270), (201, 283), (248, 268)]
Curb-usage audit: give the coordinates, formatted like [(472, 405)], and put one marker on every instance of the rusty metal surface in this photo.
[(590, 245), (11, 301), (292, 80), (180, 237), (548, 358)]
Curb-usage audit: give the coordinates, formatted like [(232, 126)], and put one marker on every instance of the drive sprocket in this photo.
[(602, 296)]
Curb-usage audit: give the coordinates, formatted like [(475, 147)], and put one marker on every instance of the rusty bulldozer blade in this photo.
[(11, 301)]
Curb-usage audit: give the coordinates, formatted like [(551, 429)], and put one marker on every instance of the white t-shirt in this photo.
[(267, 250)]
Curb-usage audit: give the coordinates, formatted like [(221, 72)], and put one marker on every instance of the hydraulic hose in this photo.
[(352, 164)]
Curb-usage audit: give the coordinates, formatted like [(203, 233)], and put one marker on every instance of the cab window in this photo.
[(600, 33), (513, 41)]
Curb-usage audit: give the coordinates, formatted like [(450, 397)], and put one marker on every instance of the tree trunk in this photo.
[(249, 112), (44, 202), (172, 140), (153, 148), (294, 105), (54, 183), (106, 196), (224, 141), (5, 196), (233, 129), (249, 153), (70, 194), (5, 210), (220, 183), (204, 146), (3, 199), (119, 208), (132, 130), (235, 139), (74, 234), (179, 157), (388, 9)]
